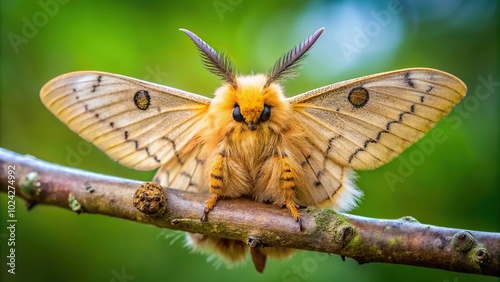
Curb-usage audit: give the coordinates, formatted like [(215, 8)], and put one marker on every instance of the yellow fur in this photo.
[(264, 164), (252, 158)]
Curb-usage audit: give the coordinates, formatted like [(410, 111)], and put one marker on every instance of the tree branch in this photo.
[(401, 241)]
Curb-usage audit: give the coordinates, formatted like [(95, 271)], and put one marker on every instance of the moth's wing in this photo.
[(365, 122), (332, 184), (184, 173), (139, 124)]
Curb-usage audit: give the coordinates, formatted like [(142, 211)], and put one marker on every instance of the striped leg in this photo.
[(288, 187), (215, 184)]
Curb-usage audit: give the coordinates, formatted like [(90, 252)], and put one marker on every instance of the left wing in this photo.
[(139, 124)]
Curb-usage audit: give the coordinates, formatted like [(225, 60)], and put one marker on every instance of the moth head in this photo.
[(251, 106), (254, 97), (253, 101)]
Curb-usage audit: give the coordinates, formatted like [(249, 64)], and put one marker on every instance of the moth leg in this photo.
[(288, 187), (215, 184)]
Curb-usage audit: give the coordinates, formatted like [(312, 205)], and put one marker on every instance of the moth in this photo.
[(250, 140)]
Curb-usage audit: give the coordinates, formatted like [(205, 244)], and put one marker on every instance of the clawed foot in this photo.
[(293, 209), (299, 220), (203, 218), (208, 207)]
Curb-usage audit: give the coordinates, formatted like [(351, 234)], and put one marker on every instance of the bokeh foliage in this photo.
[(455, 183)]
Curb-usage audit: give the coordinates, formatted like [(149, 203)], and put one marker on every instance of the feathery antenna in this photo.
[(217, 63), (285, 65)]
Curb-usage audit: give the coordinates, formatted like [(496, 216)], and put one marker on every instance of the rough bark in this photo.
[(400, 241)]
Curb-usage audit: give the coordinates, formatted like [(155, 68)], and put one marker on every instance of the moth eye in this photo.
[(266, 113), (237, 114)]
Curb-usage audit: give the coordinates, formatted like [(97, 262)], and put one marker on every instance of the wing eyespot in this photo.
[(358, 97), (142, 100)]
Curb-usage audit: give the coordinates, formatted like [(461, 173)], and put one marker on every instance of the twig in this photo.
[(401, 241)]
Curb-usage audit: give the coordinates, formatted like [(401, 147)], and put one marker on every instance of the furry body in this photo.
[(270, 163)]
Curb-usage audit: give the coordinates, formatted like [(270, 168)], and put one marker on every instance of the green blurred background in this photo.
[(456, 184)]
